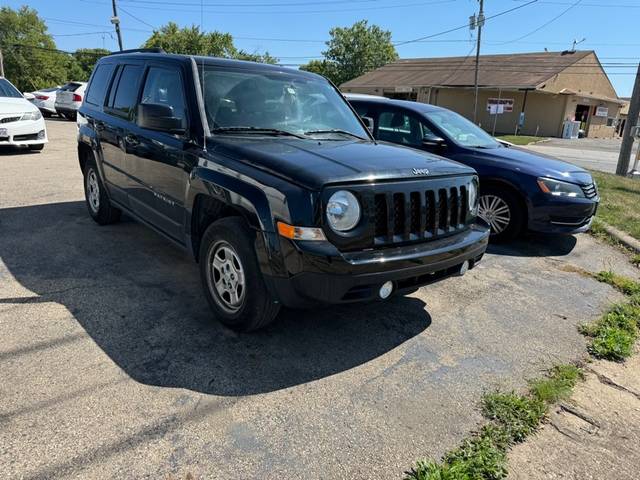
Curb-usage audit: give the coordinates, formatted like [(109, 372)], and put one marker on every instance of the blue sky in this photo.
[(260, 25)]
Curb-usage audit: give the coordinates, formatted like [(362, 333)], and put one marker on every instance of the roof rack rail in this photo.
[(140, 50)]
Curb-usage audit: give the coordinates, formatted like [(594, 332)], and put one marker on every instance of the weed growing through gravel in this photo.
[(512, 418)]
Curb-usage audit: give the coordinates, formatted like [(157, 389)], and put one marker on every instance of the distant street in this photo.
[(593, 153)]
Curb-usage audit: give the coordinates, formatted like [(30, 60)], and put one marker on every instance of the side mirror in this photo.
[(28, 96), (155, 116), (433, 142), (368, 121)]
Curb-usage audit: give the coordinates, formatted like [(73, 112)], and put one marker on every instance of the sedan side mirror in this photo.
[(368, 121), (28, 96), (156, 116), (433, 142)]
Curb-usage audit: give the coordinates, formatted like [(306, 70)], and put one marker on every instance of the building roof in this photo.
[(517, 70)]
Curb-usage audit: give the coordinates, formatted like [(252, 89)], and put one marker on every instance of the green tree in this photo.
[(30, 59), (193, 41), (82, 62), (353, 51)]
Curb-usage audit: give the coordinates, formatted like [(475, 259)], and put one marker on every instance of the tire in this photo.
[(36, 147), (98, 203), (503, 211), (227, 246)]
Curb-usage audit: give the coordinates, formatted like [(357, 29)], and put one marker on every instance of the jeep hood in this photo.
[(315, 163)]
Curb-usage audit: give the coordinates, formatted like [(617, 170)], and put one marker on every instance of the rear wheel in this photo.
[(98, 203), (503, 212), (231, 277)]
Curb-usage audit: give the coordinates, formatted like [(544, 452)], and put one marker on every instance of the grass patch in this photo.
[(619, 197), (520, 139), (512, 417), (614, 334), (558, 385)]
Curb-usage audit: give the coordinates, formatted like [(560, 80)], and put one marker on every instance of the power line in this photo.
[(285, 12), (566, 10), (466, 25), (137, 18)]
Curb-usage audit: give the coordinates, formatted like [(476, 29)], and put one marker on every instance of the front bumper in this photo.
[(26, 132), (319, 274), (562, 215)]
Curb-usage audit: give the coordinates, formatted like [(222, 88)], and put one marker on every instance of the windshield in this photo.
[(257, 101), (461, 130), (8, 90)]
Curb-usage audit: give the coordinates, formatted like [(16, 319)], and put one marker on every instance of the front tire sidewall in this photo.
[(257, 308)]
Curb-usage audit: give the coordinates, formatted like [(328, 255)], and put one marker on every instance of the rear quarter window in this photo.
[(99, 84)]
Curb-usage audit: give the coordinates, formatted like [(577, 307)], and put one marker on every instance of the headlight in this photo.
[(560, 189), (343, 211), (472, 190), (31, 115)]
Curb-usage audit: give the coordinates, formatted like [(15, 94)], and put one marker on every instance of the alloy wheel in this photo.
[(93, 191), (226, 277), (495, 211)]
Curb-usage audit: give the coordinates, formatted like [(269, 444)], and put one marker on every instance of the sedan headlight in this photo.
[(31, 115), (343, 211), (560, 189), (472, 190)]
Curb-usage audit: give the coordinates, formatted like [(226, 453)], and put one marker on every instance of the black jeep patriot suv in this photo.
[(273, 183)]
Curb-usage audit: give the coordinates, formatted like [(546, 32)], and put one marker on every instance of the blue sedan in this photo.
[(519, 189)]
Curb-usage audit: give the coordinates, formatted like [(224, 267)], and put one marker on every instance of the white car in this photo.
[(21, 122), (45, 100), (69, 98)]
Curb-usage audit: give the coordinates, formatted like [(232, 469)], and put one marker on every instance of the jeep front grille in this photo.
[(408, 216)]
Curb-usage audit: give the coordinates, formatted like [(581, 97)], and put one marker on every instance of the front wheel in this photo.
[(97, 200), (231, 277), (503, 212)]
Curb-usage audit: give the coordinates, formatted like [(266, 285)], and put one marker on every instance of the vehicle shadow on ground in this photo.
[(536, 245), (140, 300)]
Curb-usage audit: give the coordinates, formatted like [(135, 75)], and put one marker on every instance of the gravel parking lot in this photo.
[(113, 368)]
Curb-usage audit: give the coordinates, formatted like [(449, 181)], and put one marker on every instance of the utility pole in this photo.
[(1, 64), (632, 121), (116, 21), (479, 22)]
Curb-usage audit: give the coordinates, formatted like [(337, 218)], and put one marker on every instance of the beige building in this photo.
[(534, 91)]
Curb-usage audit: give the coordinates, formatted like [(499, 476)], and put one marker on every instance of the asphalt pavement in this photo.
[(592, 153), (112, 366)]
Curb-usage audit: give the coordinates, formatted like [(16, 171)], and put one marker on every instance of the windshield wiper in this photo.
[(335, 130), (268, 131)]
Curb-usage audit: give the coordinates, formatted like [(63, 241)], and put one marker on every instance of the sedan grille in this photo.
[(9, 119), (590, 191), (418, 215)]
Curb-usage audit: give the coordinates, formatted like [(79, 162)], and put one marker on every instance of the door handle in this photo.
[(131, 139)]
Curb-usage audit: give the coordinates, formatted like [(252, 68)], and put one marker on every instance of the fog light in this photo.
[(385, 290), (464, 267), (41, 134)]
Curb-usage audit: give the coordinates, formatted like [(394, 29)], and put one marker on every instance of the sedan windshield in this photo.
[(8, 90), (460, 130), (269, 102)]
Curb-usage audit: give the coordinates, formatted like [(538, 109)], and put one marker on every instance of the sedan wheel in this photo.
[(496, 212)]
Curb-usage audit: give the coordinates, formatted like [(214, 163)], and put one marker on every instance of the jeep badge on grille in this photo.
[(421, 171)]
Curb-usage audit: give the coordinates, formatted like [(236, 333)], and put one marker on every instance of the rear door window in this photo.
[(99, 84), (126, 93)]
